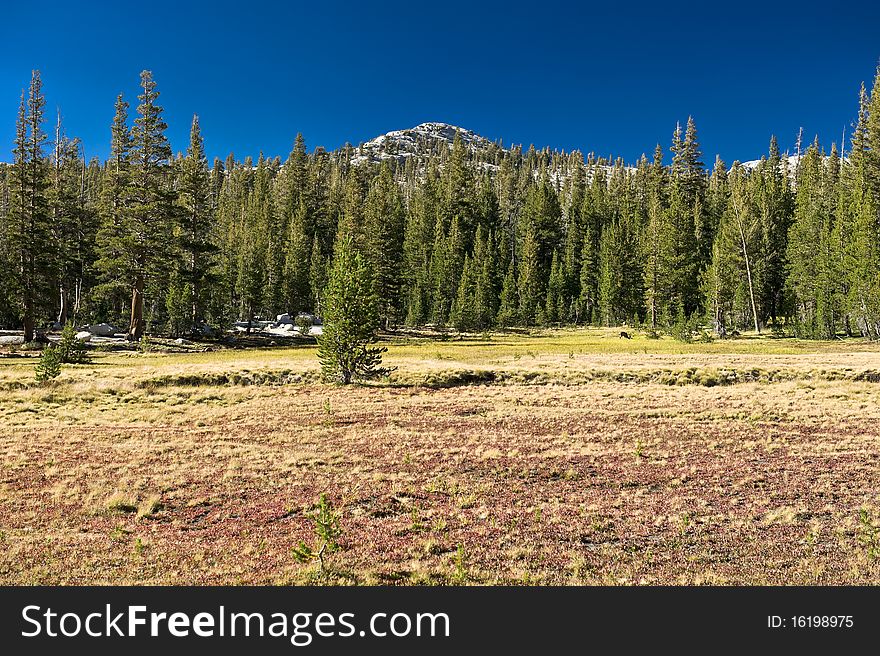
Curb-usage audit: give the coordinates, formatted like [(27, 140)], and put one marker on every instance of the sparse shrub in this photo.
[(709, 378), (869, 534), (49, 366), (461, 574), (416, 518), (150, 506), (119, 502), (684, 328), (145, 345), (119, 533), (684, 522), (327, 533), (458, 377), (328, 413), (303, 324), (70, 349), (467, 501)]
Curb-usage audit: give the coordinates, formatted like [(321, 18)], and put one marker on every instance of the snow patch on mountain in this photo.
[(788, 163), (793, 161)]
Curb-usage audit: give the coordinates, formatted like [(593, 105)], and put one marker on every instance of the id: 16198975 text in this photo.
[(810, 622)]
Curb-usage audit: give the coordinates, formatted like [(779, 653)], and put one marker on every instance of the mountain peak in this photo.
[(422, 139)]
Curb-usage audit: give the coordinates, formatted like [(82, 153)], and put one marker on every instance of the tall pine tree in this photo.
[(31, 235)]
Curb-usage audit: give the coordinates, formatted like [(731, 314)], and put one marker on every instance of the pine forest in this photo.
[(469, 235)]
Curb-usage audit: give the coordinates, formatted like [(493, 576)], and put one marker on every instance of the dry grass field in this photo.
[(559, 457)]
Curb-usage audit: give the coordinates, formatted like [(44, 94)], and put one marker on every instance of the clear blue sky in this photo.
[(607, 77)]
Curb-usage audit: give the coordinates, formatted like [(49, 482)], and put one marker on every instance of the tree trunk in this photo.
[(63, 312), (28, 322), (136, 325), (196, 310), (742, 236), (195, 304), (751, 289), (77, 297), (865, 315)]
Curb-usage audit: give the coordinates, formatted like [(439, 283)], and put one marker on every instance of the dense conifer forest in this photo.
[(470, 236)]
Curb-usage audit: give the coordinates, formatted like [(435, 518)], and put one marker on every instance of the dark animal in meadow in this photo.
[(625, 335)]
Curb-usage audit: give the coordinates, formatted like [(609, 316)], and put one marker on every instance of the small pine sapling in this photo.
[(70, 349), (327, 533), (49, 366)]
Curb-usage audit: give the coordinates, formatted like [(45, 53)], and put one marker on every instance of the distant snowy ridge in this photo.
[(434, 137), (429, 138)]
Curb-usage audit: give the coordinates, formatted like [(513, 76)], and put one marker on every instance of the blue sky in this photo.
[(605, 77)]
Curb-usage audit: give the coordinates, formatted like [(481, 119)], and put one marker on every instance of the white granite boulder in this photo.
[(102, 330)]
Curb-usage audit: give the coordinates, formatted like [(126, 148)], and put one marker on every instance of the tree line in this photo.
[(471, 237)]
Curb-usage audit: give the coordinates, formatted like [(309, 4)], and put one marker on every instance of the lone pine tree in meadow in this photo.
[(351, 319)]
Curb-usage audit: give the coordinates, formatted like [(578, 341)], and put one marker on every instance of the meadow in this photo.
[(546, 457)]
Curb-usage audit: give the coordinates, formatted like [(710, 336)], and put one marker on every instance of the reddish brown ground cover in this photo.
[(542, 484)]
